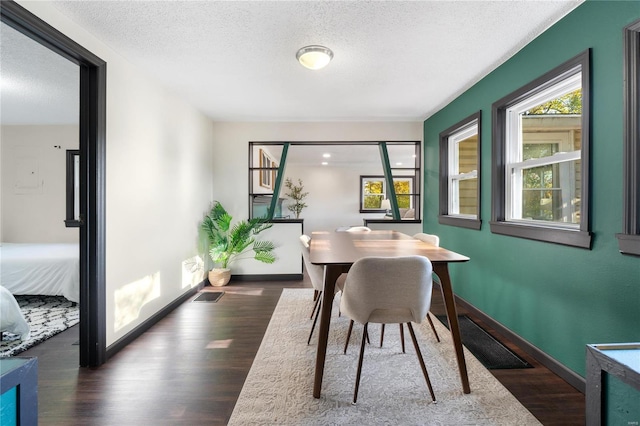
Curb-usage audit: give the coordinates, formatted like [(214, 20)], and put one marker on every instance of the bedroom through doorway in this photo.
[(53, 102)]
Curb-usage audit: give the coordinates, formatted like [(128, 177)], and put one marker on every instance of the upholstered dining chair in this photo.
[(434, 240), (316, 275), (358, 229), (431, 239), (428, 238), (388, 290)]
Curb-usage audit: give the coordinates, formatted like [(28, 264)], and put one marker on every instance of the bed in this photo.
[(45, 269)]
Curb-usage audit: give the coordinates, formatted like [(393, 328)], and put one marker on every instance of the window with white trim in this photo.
[(543, 157), (540, 161), (629, 238), (463, 172), (460, 174)]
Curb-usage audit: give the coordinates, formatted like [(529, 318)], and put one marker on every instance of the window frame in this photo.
[(73, 218), (444, 217), (579, 236), (385, 195), (629, 239), (255, 191)]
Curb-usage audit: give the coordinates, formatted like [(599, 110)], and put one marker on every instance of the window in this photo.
[(459, 174), (540, 144), (373, 189), (72, 219), (629, 239)]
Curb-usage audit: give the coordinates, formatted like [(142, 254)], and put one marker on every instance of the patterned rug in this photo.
[(278, 389), (47, 316)]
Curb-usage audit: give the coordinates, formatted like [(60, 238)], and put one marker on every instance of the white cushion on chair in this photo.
[(359, 229), (388, 290), (428, 238)]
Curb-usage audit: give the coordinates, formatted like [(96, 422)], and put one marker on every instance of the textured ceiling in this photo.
[(36, 85), (393, 60)]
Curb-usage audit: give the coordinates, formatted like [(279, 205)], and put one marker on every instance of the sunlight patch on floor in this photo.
[(253, 292), (219, 344)]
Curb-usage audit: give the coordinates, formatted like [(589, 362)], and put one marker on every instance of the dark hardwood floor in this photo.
[(190, 367)]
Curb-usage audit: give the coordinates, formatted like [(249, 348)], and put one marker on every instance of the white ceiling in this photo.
[(37, 86), (235, 60)]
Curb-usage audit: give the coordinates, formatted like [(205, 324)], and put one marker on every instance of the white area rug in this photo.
[(47, 316), (279, 387)]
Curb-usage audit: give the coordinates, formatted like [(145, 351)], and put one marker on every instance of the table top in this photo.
[(627, 354), (344, 248), (11, 363)]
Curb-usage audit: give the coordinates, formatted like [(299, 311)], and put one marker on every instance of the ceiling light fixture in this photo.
[(326, 155), (314, 57)]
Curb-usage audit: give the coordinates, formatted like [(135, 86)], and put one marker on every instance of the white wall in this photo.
[(33, 193), (334, 196), (231, 141), (158, 180), (332, 203)]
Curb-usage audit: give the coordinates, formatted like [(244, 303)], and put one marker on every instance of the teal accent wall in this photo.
[(621, 402), (558, 298)]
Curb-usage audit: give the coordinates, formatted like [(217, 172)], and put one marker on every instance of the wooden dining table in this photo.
[(337, 251)]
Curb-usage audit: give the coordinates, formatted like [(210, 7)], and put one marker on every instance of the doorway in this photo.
[(92, 147)]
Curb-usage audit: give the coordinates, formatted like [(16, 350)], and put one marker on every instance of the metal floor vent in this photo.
[(490, 352), (209, 296)]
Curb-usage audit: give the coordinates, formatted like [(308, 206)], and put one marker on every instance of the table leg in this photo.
[(331, 274), (442, 270)]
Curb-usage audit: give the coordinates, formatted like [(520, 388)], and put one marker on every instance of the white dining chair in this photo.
[(434, 240), (358, 229), (428, 238), (316, 275), (388, 290)]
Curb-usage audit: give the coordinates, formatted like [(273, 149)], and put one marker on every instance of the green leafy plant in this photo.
[(227, 243), (297, 195)]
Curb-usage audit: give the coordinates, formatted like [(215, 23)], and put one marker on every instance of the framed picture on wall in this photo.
[(273, 174), (267, 176)]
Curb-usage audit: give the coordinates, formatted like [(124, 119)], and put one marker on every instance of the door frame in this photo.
[(92, 143)]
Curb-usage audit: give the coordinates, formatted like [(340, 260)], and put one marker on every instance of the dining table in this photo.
[(337, 251)]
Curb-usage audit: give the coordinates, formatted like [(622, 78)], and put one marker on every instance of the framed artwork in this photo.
[(267, 174)]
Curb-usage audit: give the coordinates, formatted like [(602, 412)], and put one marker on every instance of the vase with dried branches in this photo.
[(296, 194)]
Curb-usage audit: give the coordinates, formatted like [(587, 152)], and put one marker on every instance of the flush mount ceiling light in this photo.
[(314, 57)]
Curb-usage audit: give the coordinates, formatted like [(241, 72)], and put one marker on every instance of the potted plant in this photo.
[(296, 194), (227, 243)]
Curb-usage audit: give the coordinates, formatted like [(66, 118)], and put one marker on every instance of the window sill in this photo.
[(567, 237), (629, 244), (460, 221), (408, 220)]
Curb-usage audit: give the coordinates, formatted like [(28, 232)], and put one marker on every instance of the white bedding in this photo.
[(11, 317), (46, 269)]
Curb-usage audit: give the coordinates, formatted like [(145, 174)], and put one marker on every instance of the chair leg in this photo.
[(315, 320), (401, 336), (355, 391), (346, 344), (315, 305), (424, 367), (432, 327)]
